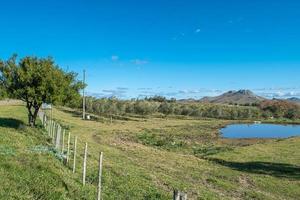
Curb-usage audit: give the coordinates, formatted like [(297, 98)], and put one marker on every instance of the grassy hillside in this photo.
[(28, 167), (146, 159)]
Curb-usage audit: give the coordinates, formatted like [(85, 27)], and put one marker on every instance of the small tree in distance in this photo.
[(36, 81)]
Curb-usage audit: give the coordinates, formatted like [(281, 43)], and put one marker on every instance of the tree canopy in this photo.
[(3, 93), (39, 80)]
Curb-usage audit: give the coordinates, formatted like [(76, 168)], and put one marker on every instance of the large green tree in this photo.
[(37, 81), (3, 93)]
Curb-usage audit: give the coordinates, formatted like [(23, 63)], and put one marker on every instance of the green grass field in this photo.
[(145, 158)]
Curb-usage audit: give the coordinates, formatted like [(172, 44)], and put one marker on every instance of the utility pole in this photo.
[(83, 96)]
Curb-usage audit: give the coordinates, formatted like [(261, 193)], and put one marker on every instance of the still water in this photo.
[(260, 131)]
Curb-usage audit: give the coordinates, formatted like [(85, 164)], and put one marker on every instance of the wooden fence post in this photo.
[(43, 119), (84, 164), (75, 148), (63, 142), (99, 176), (58, 134), (177, 195), (53, 132), (52, 128), (68, 148), (49, 129)]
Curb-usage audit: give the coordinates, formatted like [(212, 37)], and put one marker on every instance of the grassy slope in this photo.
[(137, 169), (26, 172)]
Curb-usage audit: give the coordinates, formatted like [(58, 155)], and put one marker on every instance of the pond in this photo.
[(260, 131)]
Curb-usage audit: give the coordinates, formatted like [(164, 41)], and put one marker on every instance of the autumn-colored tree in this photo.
[(280, 108)]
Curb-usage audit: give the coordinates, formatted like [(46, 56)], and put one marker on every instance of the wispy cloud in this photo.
[(145, 88), (124, 92), (180, 94), (278, 92), (121, 62), (96, 94), (235, 20), (122, 88), (139, 62), (198, 30), (178, 36), (120, 92), (114, 58)]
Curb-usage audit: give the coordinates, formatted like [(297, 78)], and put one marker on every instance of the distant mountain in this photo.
[(294, 100), (235, 97)]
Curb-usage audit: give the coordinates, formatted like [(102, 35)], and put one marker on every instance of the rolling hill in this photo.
[(294, 100), (144, 159), (234, 97)]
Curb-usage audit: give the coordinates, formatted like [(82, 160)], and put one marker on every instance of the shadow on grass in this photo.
[(280, 170), (10, 123)]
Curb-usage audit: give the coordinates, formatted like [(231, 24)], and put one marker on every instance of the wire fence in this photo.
[(74, 152), (69, 149)]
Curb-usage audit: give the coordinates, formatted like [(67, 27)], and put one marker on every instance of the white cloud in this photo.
[(114, 58), (179, 36), (278, 92), (197, 93), (145, 89), (139, 62), (122, 88), (114, 93)]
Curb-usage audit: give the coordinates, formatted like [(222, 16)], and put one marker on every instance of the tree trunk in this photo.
[(32, 115), (35, 114), (30, 119)]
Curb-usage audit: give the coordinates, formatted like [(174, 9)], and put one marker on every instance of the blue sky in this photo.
[(182, 49)]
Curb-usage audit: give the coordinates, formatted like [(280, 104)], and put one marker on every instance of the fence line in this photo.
[(57, 134)]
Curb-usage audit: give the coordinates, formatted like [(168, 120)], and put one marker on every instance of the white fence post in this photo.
[(68, 148), (63, 142), (84, 164), (58, 133), (75, 148), (99, 176), (177, 195), (53, 132)]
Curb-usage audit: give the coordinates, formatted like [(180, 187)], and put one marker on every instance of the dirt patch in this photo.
[(245, 181)]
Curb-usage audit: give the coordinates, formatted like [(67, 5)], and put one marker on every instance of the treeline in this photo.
[(161, 105), (144, 107)]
